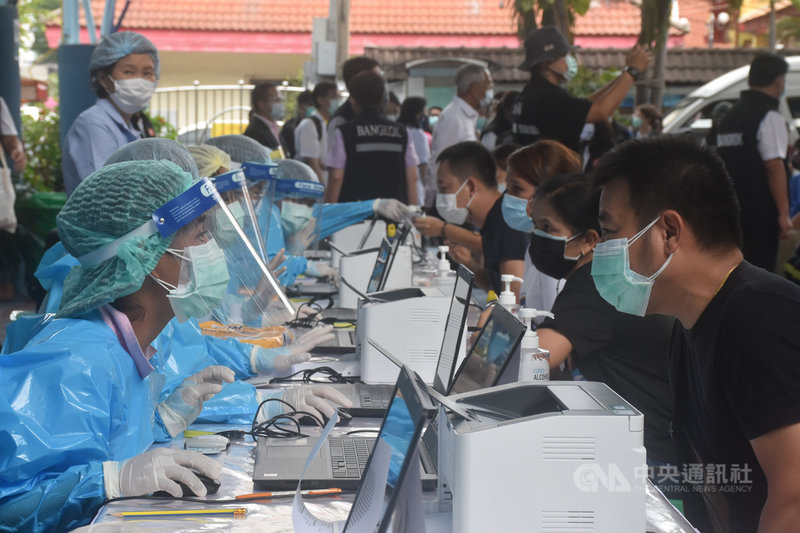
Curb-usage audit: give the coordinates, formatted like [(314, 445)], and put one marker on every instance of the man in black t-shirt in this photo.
[(735, 353), (467, 184), (545, 110)]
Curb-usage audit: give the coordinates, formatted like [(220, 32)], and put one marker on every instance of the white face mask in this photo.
[(133, 94), (446, 204), (487, 98)]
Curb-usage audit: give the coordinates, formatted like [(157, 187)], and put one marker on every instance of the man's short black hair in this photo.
[(356, 65), (470, 159), (305, 98), (368, 90), (765, 68), (674, 172), (321, 90)]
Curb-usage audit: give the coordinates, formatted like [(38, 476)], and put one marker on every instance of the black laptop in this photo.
[(342, 460)]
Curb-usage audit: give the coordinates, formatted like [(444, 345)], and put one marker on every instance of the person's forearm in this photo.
[(411, 185), (334, 188), (313, 162), (481, 277), (604, 106), (777, 517), (778, 185), (464, 237), (604, 89)]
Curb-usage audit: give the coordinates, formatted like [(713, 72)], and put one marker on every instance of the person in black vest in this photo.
[(545, 110), (267, 109), (753, 139), (371, 156), (351, 67)]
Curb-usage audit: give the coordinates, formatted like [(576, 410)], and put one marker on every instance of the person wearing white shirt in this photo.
[(411, 113), (457, 123), (10, 138), (311, 135)]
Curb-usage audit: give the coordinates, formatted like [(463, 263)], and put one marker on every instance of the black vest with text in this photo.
[(376, 155), (737, 145)]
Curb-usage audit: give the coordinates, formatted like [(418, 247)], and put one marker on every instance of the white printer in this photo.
[(409, 323), (557, 457), (358, 267)]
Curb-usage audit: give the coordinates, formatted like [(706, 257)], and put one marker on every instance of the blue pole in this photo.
[(9, 60), (75, 90)]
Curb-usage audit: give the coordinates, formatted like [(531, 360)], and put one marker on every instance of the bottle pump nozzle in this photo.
[(444, 264), (527, 314), (507, 296)]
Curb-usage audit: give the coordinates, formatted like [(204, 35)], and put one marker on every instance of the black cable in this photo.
[(332, 376), (272, 427)]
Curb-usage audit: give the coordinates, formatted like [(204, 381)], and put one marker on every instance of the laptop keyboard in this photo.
[(340, 338), (379, 396), (349, 455)]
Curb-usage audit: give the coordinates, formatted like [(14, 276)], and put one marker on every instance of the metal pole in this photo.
[(342, 32), (90, 27), (773, 38), (108, 18)]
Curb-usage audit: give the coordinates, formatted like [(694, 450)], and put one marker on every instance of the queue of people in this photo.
[(635, 247)]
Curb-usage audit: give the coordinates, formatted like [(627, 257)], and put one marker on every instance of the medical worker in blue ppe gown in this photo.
[(79, 405), (124, 71), (332, 217)]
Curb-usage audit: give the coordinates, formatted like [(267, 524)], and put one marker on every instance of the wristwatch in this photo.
[(441, 234), (633, 71)]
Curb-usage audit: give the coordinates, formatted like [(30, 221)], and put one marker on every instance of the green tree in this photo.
[(32, 16), (559, 13), (654, 35)]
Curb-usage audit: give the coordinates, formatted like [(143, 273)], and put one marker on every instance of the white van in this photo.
[(693, 113)]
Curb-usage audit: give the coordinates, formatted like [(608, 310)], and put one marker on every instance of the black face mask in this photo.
[(547, 254)]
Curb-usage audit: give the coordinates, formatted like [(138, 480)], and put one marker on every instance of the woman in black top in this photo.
[(598, 343), (498, 131)]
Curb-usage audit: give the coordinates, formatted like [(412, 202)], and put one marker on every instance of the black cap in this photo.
[(544, 44)]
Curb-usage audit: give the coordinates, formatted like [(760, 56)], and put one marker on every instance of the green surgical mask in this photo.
[(202, 283), (294, 217)]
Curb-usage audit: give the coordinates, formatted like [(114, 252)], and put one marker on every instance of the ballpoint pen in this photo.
[(282, 493), (238, 512)]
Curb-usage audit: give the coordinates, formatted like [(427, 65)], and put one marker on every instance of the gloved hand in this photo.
[(315, 399), (183, 406), (298, 242), (390, 208), (318, 269), (269, 360), (312, 338), (159, 469), (276, 263)]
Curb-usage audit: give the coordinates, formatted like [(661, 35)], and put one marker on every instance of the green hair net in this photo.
[(107, 205), (115, 46), (241, 148), (209, 159), (155, 149)]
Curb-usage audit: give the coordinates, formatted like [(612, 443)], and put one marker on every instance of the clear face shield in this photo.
[(222, 279), (288, 210), (232, 187)]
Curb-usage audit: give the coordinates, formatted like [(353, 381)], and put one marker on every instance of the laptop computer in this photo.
[(343, 460), (344, 340), (498, 340), (373, 400)]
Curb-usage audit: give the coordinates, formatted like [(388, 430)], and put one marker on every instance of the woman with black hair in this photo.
[(598, 343), (411, 114)]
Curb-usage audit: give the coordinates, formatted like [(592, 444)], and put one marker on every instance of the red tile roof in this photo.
[(482, 17)]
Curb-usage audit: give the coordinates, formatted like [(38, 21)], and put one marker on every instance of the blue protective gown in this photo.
[(71, 399), (332, 217)]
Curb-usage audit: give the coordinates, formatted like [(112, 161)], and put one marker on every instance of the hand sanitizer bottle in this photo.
[(507, 297), (534, 362), (445, 278)]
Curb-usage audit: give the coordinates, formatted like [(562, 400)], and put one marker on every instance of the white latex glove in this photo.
[(390, 208), (311, 339), (159, 469), (315, 399), (269, 360), (318, 269), (183, 406)]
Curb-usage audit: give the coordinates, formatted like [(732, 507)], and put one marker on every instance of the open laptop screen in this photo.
[(493, 348), (380, 266), (454, 330), (391, 455)]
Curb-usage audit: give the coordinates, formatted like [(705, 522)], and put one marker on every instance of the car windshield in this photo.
[(675, 113)]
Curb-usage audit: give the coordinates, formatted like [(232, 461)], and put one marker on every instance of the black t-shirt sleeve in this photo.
[(762, 376), (582, 316)]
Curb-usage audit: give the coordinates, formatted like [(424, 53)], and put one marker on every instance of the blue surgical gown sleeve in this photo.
[(295, 265), (70, 400), (334, 217), (182, 350), (53, 268)]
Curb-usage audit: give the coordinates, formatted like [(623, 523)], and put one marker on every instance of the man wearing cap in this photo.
[(545, 110), (753, 140), (124, 71)]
